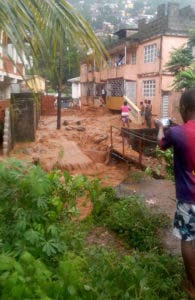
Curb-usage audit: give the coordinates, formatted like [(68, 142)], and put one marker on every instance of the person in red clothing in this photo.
[(125, 109), (182, 139)]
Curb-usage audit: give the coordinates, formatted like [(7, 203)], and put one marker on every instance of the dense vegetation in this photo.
[(44, 253)]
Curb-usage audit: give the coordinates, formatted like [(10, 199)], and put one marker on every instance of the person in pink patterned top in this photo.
[(125, 109)]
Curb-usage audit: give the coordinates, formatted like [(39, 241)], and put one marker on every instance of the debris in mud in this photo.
[(100, 138), (65, 123), (70, 128), (81, 128), (78, 122), (28, 151)]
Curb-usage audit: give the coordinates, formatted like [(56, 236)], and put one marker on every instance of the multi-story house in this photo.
[(11, 68), (136, 69)]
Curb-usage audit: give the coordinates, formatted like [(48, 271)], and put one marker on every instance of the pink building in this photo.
[(137, 65)]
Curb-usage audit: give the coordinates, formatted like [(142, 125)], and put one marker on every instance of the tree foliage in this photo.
[(180, 58), (182, 65), (186, 78)]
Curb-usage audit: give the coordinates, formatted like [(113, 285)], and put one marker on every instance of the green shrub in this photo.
[(35, 208), (137, 223), (137, 276), (167, 157), (102, 201), (43, 251)]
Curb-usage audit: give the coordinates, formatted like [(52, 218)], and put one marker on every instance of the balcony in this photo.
[(97, 77), (90, 76), (104, 75), (128, 72), (112, 73)]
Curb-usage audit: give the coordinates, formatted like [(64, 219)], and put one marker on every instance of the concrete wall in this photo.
[(152, 67), (169, 44)]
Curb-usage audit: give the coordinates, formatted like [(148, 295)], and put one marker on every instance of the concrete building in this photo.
[(33, 83), (137, 65), (11, 68)]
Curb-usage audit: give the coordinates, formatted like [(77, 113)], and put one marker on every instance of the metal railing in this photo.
[(125, 135), (135, 112)]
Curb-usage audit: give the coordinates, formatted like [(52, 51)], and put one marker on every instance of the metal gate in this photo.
[(115, 87), (131, 90)]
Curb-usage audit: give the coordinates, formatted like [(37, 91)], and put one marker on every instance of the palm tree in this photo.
[(46, 26)]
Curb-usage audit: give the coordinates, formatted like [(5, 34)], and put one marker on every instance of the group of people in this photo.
[(146, 112)]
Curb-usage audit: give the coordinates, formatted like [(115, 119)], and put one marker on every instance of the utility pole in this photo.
[(59, 107), (59, 87)]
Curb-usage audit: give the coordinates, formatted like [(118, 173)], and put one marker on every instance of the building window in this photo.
[(133, 58), (150, 53), (149, 88), (119, 60)]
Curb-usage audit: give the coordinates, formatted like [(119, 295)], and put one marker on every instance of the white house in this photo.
[(76, 87)]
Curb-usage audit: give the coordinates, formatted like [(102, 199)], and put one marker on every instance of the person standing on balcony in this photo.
[(148, 113), (182, 139), (125, 109)]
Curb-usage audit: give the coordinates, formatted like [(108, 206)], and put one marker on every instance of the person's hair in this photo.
[(149, 101), (125, 102), (146, 101), (141, 102), (187, 101)]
